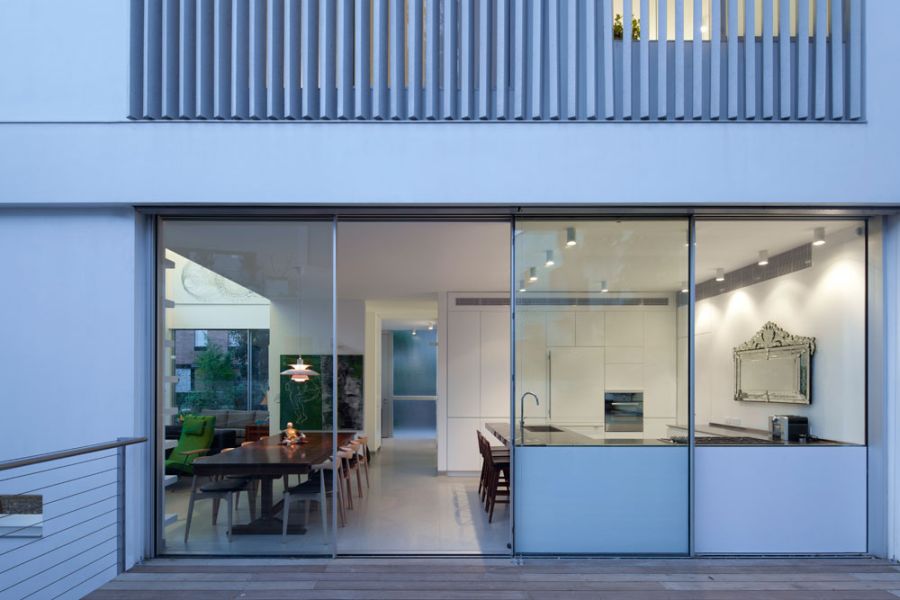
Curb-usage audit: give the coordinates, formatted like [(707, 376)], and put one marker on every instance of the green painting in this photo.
[(308, 405)]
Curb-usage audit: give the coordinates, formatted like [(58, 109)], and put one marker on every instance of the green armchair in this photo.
[(196, 438)]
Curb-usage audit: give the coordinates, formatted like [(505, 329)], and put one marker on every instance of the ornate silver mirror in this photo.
[(774, 366)]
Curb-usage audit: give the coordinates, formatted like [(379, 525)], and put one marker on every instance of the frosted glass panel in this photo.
[(415, 363)]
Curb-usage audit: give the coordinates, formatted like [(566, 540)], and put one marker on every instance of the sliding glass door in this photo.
[(246, 357), (601, 386)]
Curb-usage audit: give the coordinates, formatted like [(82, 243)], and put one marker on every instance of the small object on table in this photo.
[(293, 436)]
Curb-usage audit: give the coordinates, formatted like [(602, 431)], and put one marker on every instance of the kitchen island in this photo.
[(558, 435)]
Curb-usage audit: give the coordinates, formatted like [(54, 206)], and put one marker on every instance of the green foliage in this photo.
[(216, 382), (619, 29)]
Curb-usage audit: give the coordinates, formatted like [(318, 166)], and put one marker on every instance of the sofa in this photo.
[(229, 428)]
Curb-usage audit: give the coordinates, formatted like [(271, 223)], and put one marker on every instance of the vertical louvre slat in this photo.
[(553, 59), (451, 45), (644, 60), (802, 59), (362, 60), (380, 43), (606, 23), (750, 59), (328, 59), (414, 61), (732, 59), (258, 100), (784, 58), (697, 60), (188, 89), (309, 21), (154, 56), (223, 59), (345, 59), (295, 102), (572, 60), (662, 61), (432, 68), (590, 59), (207, 61), (627, 78), (715, 61), (519, 50), (397, 58), (467, 59), (536, 59), (679, 60), (855, 59), (837, 59), (241, 59), (820, 39), (768, 71), (484, 59), (136, 60), (501, 104), (171, 58), (276, 58)]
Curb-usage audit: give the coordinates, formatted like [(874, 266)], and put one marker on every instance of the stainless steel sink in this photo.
[(543, 429)]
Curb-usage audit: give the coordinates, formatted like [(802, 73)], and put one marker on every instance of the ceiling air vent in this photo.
[(563, 301)]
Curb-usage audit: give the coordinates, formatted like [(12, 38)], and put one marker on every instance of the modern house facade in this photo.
[(647, 249)]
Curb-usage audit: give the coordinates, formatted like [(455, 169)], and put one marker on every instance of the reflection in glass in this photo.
[(242, 300)]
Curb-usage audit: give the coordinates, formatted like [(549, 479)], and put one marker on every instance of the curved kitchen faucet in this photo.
[(537, 402)]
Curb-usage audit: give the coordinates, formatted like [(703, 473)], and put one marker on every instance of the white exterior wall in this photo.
[(72, 307), (68, 62), (64, 141)]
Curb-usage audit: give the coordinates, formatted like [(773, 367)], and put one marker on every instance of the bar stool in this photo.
[(499, 455), (496, 488)]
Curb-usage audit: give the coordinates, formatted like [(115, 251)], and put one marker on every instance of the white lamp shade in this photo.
[(299, 371)]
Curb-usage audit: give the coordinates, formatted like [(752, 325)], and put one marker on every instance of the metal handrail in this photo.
[(51, 456)]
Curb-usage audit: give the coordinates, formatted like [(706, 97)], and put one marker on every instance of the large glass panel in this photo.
[(780, 350), (426, 305), (244, 301), (601, 386)]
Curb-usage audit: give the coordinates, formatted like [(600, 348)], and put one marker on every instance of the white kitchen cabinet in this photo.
[(495, 375), (625, 377), (589, 328), (531, 361), (624, 328), (462, 444), (561, 328), (463, 364), (576, 384)]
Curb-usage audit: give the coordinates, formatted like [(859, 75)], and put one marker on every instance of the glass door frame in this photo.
[(689, 219), (156, 215)]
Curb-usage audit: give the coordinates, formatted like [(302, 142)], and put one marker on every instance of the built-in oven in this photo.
[(624, 411)]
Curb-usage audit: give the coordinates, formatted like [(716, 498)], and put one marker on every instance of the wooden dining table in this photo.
[(269, 459)]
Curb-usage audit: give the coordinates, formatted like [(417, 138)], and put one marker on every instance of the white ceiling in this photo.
[(416, 260)]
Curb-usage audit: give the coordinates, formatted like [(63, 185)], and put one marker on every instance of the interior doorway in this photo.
[(397, 283)]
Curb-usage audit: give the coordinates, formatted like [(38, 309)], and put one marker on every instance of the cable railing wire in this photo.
[(80, 462)]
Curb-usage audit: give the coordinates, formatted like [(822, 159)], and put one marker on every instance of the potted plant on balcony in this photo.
[(619, 29)]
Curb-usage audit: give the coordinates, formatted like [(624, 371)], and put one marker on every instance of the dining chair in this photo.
[(363, 455), (316, 489), (222, 489), (352, 464)]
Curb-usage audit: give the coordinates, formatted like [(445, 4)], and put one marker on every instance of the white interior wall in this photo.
[(826, 301)]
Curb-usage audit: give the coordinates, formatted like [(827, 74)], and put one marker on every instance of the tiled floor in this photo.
[(408, 509)]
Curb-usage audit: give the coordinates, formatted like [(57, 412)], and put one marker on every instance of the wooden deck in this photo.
[(497, 579)]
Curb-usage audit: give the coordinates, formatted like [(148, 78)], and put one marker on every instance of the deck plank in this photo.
[(852, 578)]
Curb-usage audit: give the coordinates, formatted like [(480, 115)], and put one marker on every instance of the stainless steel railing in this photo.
[(62, 520)]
